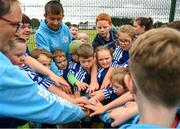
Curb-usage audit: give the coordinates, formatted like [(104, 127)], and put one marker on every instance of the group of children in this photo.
[(107, 58)]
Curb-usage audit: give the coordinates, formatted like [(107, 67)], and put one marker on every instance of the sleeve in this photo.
[(108, 92), (95, 43), (71, 79), (41, 42), (22, 98)]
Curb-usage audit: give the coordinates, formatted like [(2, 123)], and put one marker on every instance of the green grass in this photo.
[(91, 34)]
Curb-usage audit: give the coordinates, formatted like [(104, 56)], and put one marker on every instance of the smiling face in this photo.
[(44, 60), (24, 31), (54, 20), (17, 53), (103, 27), (104, 58)]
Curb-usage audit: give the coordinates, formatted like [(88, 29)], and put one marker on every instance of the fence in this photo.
[(84, 12)]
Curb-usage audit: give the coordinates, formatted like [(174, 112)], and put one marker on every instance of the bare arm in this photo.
[(106, 80), (38, 67), (94, 83)]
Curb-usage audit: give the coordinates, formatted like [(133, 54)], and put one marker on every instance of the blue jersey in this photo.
[(110, 94), (80, 74), (19, 92), (101, 73), (100, 41), (36, 77), (120, 57)]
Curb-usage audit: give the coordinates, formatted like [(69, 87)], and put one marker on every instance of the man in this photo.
[(20, 97)]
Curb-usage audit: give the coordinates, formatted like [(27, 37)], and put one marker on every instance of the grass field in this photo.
[(91, 34)]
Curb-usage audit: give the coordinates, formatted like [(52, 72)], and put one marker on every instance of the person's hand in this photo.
[(81, 101), (95, 93), (66, 89), (97, 107), (122, 114), (92, 87), (81, 85)]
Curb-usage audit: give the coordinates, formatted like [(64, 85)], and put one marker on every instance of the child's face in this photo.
[(74, 31), (75, 57), (83, 37), (139, 29), (53, 20), (104, 58), (24, 31), (86, 63), (117, 87), (17, 54), (44, 60), (103, 28), (124, 41), (61, 62)]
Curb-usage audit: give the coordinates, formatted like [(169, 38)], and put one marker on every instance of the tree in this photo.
[(68, 24), (121, 21), (35, 23)]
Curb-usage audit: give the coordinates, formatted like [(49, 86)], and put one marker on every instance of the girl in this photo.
[(126, 36)]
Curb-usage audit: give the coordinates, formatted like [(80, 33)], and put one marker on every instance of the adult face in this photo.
[(54, 20), (139, 29), (9, 24)]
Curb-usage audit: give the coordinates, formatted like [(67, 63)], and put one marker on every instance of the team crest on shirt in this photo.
[(64, 39)]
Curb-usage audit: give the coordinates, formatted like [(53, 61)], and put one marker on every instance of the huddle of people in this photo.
[(127, 79)]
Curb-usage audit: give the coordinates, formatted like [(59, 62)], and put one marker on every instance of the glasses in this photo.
[(124, 41), (17, 24)]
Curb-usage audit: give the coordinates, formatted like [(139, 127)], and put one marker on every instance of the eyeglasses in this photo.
[(17, 24), (124, 41)]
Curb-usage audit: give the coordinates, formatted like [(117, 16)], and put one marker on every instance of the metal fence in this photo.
[(84, 12)]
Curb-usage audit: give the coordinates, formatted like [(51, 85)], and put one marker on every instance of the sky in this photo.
[(86, 10)]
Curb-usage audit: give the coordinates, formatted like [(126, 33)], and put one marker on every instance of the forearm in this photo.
[(71, 79), (38, 67), (61, 93), (106, 78), (119, 101)]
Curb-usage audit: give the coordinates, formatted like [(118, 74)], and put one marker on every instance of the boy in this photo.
[(25, 31), (83, 37), (53, 33), (80, 76), (20, 92), (154, 79), (74, 31), (104, 36), (59, 57)]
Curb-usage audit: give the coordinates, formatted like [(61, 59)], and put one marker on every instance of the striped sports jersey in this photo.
[(101, 73), (120, 57), (36, 77)]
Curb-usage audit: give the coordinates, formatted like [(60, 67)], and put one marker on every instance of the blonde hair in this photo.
[(118, 74), (38, 51), (128, 29)]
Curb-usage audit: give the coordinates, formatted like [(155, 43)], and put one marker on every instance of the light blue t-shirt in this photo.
[(22, 98)]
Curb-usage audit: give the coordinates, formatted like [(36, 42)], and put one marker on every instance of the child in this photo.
[(52, 33), (142, 24), (45, 58), (104, 36), (74, 31), (80, 76), (25, 31), (154, 79), (83, 37), (73, 51), (117, 86), (59, 57), (126, 36)]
